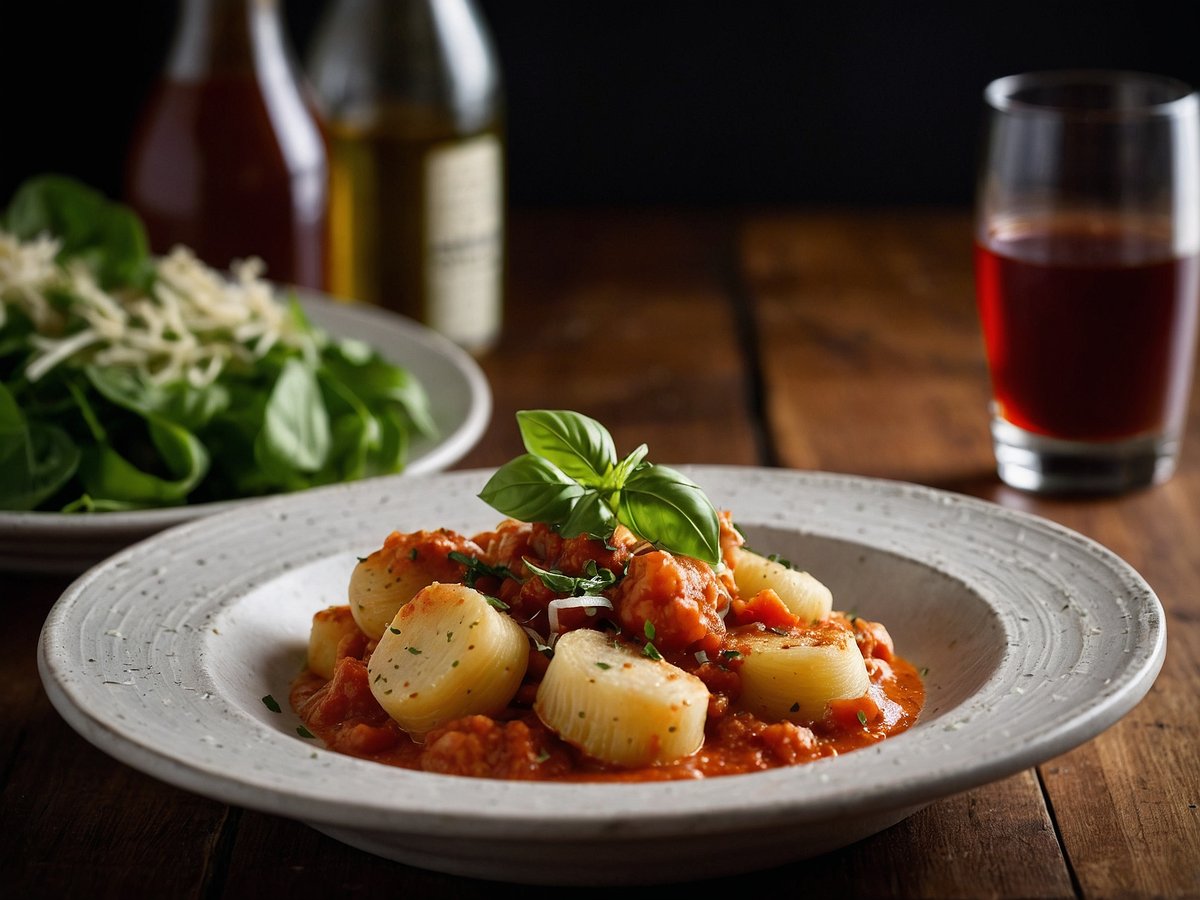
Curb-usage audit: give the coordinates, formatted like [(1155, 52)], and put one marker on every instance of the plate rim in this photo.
[(581, 823)]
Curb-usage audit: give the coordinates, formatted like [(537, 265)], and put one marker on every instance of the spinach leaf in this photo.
[(107, 235), (377, 382), (109, 478), (295, 430), (36, 458)]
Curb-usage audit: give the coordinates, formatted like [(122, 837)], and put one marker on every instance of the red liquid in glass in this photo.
[(1089, 330)]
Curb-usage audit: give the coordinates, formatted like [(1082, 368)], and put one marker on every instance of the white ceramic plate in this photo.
[(460, 399), (1035, 639)]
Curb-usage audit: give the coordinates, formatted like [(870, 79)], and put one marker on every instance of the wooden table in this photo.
[(844, 342)]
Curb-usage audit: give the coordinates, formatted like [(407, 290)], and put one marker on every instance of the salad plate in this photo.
[(1031, 638), (459, 398)]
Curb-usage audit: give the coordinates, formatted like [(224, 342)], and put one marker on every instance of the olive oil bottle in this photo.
[(411, 97)]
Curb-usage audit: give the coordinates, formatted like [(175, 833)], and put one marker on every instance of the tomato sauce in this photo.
[(701, 623)]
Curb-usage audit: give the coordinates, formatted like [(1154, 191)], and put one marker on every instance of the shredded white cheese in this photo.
[(190, 327)]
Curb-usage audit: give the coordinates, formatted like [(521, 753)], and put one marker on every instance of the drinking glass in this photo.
[(1087, 266)]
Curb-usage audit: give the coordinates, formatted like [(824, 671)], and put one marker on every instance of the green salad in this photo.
[(130, 381)]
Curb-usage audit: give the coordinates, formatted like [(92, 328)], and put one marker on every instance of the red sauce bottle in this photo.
[(229, 157)]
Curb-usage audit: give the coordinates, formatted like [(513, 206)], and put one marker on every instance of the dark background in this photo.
[(722, 103)]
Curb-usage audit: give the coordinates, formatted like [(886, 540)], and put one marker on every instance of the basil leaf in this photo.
[(532, 489), (663, 506), (591, 516), (628, 465), (581, 447)]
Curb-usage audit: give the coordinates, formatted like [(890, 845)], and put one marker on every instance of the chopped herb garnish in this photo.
[(603, 665), (592, 583), (412, 554), (304, 732), (271, 703), (862, 717), (542, 756), (651, 651), (730, 654), (924, 671), (393, 629), (496, 603), (477, 568), (415, 651), (795, 707), (648, 630)]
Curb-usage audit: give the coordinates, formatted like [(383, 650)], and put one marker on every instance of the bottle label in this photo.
[(464, 204)]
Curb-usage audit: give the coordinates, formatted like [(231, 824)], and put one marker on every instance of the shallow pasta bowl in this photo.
[(1034, 638)]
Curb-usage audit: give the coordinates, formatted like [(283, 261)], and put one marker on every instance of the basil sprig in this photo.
[(571, 479)]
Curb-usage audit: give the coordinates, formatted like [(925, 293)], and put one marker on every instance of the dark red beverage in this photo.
[(1089, 330)]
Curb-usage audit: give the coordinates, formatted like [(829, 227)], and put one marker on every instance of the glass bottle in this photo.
[(229, 156), (410, 91)]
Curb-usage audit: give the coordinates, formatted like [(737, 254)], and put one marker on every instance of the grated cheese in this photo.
[(192, 324)]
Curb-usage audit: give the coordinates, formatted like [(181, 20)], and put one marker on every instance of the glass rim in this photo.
[(1179, 98)]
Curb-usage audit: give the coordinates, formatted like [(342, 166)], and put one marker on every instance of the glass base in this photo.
[(1034, 462)]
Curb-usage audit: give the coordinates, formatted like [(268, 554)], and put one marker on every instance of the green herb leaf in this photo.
[(581, 447), (569, 479), (667, 508), (296, 423), (594, 581), (475, 568), (532, 489), (590, 516), (107, 235), (271, 703), (651, 651), (36, 459)]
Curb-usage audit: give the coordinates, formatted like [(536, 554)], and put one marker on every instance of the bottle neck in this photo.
[(227, 37), (434, 55)]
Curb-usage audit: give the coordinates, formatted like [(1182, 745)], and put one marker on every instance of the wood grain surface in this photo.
[(836, 341)]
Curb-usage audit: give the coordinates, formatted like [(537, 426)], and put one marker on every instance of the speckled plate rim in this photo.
[(461, 403), (997, 731)]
